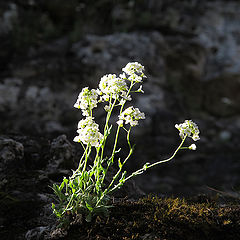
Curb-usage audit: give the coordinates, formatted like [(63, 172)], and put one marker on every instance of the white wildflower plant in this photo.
[(87, 192)]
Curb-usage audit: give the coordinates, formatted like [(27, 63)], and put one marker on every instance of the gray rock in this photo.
[(62, 152), (10, 152), (8, 18), (61, 148), (218, 30), (36, 233), (112, 52), (9, 93)]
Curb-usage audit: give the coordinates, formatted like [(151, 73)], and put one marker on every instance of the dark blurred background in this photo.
[(50, 50)]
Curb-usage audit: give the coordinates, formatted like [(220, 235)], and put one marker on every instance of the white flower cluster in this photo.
[(130, 115), (111, 85), (135, 72), (88, 132), (87, 100), (189, 129)]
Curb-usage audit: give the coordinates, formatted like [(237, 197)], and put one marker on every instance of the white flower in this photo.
[(98, 92), (189, 129), (133, 67), (126, 97), (140, 89), (87, 100), (123, 76), (107, 108), (135, 78), (195, 137), (120, 123), (192, 147), (111, 85), (122, 102), (88, 132), (104, 98), (135, 72), (130, 115)]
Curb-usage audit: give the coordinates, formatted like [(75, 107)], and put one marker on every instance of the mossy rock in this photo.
[(157, 218)]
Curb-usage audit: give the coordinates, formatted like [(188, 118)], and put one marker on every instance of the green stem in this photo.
[(106, 127), (119, 171), (166, 160), (68, 203), (106, 191), (96, 164), (118, 129), (184, 148), (114, 150), (86, 157), (80, 163), (149, 166), (116, 139)]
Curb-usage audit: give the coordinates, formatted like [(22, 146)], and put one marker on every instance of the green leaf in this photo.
[(53, 206), (122, 179), (65, 180), (119, 163), (89, 207), (102, 169), (85, 176), (61, 186), (58, 192), (91, 173)]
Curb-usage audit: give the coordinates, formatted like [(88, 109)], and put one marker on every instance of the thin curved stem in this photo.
[(118, 129), (106, 128), (80, 162), (141, 170)]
